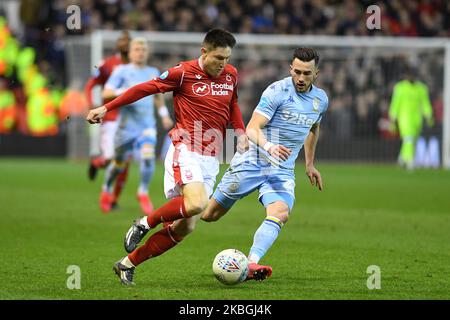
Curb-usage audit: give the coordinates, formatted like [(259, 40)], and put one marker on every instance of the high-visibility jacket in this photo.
[(409, 105), (25, 61), (35, 81), (9, 48), (8, 111), (41, 116)]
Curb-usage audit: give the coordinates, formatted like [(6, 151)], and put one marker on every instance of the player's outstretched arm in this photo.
[(310, 149), (256, 135), (109, 93), (131, 95)]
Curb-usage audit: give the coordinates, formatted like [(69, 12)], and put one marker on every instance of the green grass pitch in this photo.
[(367, 215)]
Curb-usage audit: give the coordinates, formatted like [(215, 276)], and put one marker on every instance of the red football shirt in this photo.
[(100, 78), (203, 105)]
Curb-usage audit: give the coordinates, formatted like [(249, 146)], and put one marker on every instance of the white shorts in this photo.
[(107, 133), (183, 166)]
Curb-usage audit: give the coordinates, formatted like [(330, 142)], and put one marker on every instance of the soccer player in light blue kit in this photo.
[(136, 133), (286, 119)]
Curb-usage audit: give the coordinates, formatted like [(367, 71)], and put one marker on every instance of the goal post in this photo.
[(446, 118)]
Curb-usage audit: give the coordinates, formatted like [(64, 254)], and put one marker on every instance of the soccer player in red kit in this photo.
[(109, 125), (205, 102)]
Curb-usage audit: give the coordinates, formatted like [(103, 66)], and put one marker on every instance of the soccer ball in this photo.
[(230, 266)]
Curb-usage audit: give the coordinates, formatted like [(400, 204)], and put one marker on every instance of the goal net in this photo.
[(358, 74)]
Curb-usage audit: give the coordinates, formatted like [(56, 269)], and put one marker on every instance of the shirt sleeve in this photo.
[(115, 81), (167, 81), (268, 103), (171, 79), (324, 109)]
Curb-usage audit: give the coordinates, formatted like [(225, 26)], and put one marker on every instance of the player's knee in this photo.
[(196, 208), (281, 213), (284, 216), (183, 229), (190, 227), (195, 205)]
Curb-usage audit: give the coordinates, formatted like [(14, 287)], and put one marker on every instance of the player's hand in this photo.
[(242, 143), (96, 115), (167, 122), (314, 177), (280, 152)]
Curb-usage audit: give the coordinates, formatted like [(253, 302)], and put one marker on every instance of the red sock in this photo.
[(170, 211), (120, 182), (156, 245)]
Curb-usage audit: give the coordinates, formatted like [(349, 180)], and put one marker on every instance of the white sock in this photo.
[(253, 258), (127, 263), (142, 190), (144, 222)]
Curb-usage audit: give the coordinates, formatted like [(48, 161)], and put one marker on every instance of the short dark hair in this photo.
[(409, 71), (306, 54), (218, 37), (124, 34)]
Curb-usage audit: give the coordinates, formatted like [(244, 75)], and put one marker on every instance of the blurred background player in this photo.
[(136, 132), (205, 102), (410, 104), (287, 118), (102, 142)]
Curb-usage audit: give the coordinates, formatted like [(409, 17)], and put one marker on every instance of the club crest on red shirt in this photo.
[(200, 88)]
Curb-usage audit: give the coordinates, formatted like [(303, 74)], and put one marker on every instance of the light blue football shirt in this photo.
[(291, 115), (140, 115)]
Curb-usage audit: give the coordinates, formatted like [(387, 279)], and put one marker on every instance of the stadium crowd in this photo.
[(361, 107), (399, 17)]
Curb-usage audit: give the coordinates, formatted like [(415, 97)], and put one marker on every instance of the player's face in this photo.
[(303, 74), (138, 54), (215, 59)]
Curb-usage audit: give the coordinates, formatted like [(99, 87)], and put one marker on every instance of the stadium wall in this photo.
[(16, 144)]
